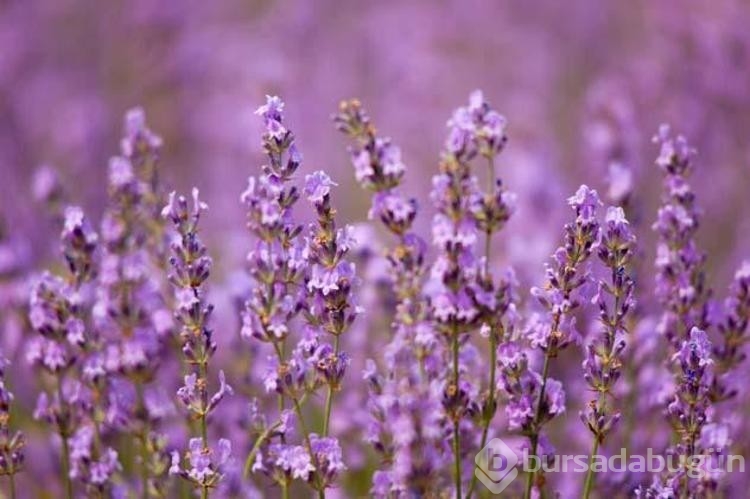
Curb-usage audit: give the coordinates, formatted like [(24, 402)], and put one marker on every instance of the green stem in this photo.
[(12, 484), (303, 425), (456, 422), (203, 417), (256, 447), (203, 374), (490, 404), (590, 473), (143, 441), (144, 466), (493, 337), (329, 398), (65, 457), (535, 436), (66, 468)]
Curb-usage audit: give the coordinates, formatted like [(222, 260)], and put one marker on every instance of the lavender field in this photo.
[(374, 249)]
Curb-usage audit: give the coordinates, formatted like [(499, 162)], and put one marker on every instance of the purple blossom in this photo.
[(273, 108), (204, 465), (190, 268), (689, 408), (733, 327), (90, 465), (318, 186), (604, 354), (328, 457), (12, 442), (585, 202), (680, 283)]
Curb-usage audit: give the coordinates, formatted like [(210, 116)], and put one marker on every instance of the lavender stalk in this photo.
[(604, 355), (480, 131), (565, 276), (403, 396), (680, 280), (191, 266), (297, 275), (11, 442), (330, 302), (729, 354), (130, 311), (56, 313)]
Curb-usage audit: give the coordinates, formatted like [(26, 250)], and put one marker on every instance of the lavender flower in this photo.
[(205, 464), (12, 443), (90, 465), (278, 265), (456, 304), (191, 267), (680, 281), (328, 457), (604, 355), (684, 296), (729, 354), (412, 449), (523, 388), (56, 312), (279, 256), (689, 408), (130, 312), (330, 303), (79, 242), (475, 130), (298, 273), (561, 295)]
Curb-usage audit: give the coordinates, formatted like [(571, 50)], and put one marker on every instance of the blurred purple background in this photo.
[(581, 83)]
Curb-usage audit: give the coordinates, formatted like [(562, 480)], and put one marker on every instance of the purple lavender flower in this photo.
[(522, 386), (317, 187), (689, 410), (680, 281), (278, 265), (129, 313), (413, 455), (476, 129), (79, 242), (71, 352), (729, 354), (657, 490), (328, 457), (298, 273), (604, 355), (191, 267), (12, 443), (102, 330), (205, 465), (90, 465), (280, 253), (56, 312), (562, 294)]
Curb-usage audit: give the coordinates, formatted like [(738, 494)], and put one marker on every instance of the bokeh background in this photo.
[(583, 83)]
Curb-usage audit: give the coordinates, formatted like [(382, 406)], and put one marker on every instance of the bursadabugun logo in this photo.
[(496, 465)]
